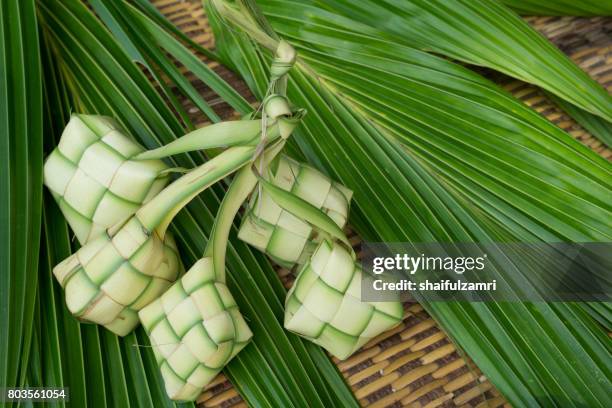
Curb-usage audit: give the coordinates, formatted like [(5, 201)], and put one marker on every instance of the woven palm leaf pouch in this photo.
[(325, 304), (286, 238)]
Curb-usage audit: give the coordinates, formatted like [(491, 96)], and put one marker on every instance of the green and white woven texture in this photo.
[(286, 238), (325, 305), (92, 178), (195, 329), (114, 275)]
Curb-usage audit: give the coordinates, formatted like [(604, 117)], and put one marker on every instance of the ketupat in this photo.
[(114, 275), (325, 304), (93, 178), (195, 328), (96, 182), (286, 238)]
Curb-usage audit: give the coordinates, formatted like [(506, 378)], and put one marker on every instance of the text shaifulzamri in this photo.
[(427, 285)]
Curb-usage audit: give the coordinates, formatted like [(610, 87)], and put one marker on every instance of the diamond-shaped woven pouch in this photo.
[(286, 238), (92, 178), (324, 305), (110, 278), (195, 329)]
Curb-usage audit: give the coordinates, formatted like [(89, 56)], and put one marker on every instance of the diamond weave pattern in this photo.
[(110, 278), (325, 305), (92, 178), (287, 239), (195, 329)]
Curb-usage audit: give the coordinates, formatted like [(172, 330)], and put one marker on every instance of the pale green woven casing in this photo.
[(324, 305), (110, 278), (284, 237), (195, 329), (92, 178)]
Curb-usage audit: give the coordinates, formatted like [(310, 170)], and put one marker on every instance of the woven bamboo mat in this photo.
[(415, 364)]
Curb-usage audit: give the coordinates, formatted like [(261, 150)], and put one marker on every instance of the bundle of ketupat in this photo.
[(112, 193), (136, 251), (325, 304)]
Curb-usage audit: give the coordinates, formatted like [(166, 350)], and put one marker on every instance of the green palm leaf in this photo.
[(21, 131), (435, 152), (138, 27), (597, 126), (481, 32), (560, 7)]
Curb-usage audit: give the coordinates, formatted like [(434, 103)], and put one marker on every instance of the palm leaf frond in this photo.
[(483, 33), (435, 152), (21, 131), (597, 126), (560, 7)]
